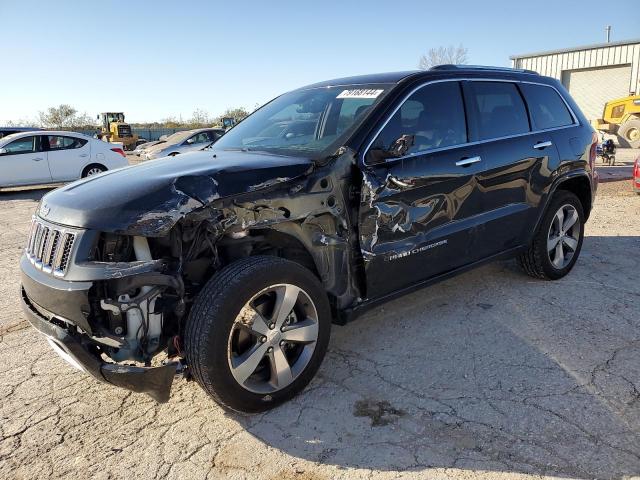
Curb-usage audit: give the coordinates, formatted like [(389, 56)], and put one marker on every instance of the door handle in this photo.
[(84, 155), (465, 162), (37, 159), (398, 183), (542, 145)]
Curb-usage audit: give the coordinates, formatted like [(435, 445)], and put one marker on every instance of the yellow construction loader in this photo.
[(621, 117), (113, 129)]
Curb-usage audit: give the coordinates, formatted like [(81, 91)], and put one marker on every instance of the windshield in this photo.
[(304, 122)]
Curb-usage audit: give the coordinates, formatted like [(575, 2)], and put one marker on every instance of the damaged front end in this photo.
[(104, 305), (115, 300)]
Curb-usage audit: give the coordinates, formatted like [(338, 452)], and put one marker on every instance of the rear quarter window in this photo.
[(546, 107), (57, 142)]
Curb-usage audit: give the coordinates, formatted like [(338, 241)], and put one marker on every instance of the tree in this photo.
[(237, 114), (171, 122), (64, 116), (200, 117), (57, 117), (443, 56), (83, 121), (22, 122)]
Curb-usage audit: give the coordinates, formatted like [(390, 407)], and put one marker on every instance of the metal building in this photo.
[(593, 74)]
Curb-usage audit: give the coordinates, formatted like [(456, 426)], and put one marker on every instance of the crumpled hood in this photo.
[(148, 199)]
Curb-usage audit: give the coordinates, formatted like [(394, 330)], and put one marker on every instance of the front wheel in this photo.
[(257, 333), (557, 242)]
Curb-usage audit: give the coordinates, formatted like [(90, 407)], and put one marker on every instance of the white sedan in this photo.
[(32, 158)]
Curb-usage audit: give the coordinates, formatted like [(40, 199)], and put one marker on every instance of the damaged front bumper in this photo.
[(73, 343)]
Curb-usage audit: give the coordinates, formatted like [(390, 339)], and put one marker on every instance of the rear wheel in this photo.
[(629, 134), (558, 240), (257, 333), (93, 170)]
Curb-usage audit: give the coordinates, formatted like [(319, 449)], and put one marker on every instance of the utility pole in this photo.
[(608, 30)]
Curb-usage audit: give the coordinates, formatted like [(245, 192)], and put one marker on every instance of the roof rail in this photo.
[(481, 67)]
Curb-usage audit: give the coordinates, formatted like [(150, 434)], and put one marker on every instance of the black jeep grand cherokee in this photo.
[(327, 200)]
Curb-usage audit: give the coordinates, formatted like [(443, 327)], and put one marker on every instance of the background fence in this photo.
[(154, 133), (147, 133)]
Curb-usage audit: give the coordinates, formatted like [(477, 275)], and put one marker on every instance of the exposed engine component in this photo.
[(143, 324)]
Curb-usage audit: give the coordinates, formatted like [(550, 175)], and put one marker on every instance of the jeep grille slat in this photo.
[(50, 247)]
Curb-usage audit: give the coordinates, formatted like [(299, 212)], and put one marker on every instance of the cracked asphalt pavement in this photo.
[(491, 374)]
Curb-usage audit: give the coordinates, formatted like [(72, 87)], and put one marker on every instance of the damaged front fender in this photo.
[(318, 211)]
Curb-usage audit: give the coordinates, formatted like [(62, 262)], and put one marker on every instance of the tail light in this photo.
[(120, 151), (636, 171)]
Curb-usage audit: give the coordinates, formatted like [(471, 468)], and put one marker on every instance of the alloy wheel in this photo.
[(273, 338), (94, 171), (564, 236)]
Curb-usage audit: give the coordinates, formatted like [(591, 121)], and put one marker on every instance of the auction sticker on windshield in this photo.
[(360, 93)]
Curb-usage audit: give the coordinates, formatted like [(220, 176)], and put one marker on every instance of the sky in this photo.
[(160, 59)]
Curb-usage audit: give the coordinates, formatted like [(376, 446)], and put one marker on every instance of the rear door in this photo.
[(419, 212), (67, 156), (513, 157), (24, 163)]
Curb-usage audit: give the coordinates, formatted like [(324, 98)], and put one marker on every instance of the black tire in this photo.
[(535, 261), (624, 131), (212, 317), (93, 166)]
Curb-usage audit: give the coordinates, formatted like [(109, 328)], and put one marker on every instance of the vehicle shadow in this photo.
[(490, 371), (35, 193)]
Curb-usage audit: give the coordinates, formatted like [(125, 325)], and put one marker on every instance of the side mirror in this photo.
[(401, 146), (398, 148), (3, 151)]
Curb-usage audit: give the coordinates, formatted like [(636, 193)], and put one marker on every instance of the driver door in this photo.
[(24, 163), (418, 207)]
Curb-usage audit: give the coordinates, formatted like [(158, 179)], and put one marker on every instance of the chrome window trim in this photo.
[(576, 122)]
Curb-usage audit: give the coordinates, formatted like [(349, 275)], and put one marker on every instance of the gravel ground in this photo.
[(489, 375)]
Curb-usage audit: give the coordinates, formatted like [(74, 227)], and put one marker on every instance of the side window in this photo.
[(198, 138), (499, 109), (434, 115), (545, 106), (56, 142), (22, 145)]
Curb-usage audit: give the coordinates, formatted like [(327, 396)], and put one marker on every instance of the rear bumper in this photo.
[(78, 349)]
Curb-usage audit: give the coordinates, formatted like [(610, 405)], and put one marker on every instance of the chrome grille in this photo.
[(49, 247)]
